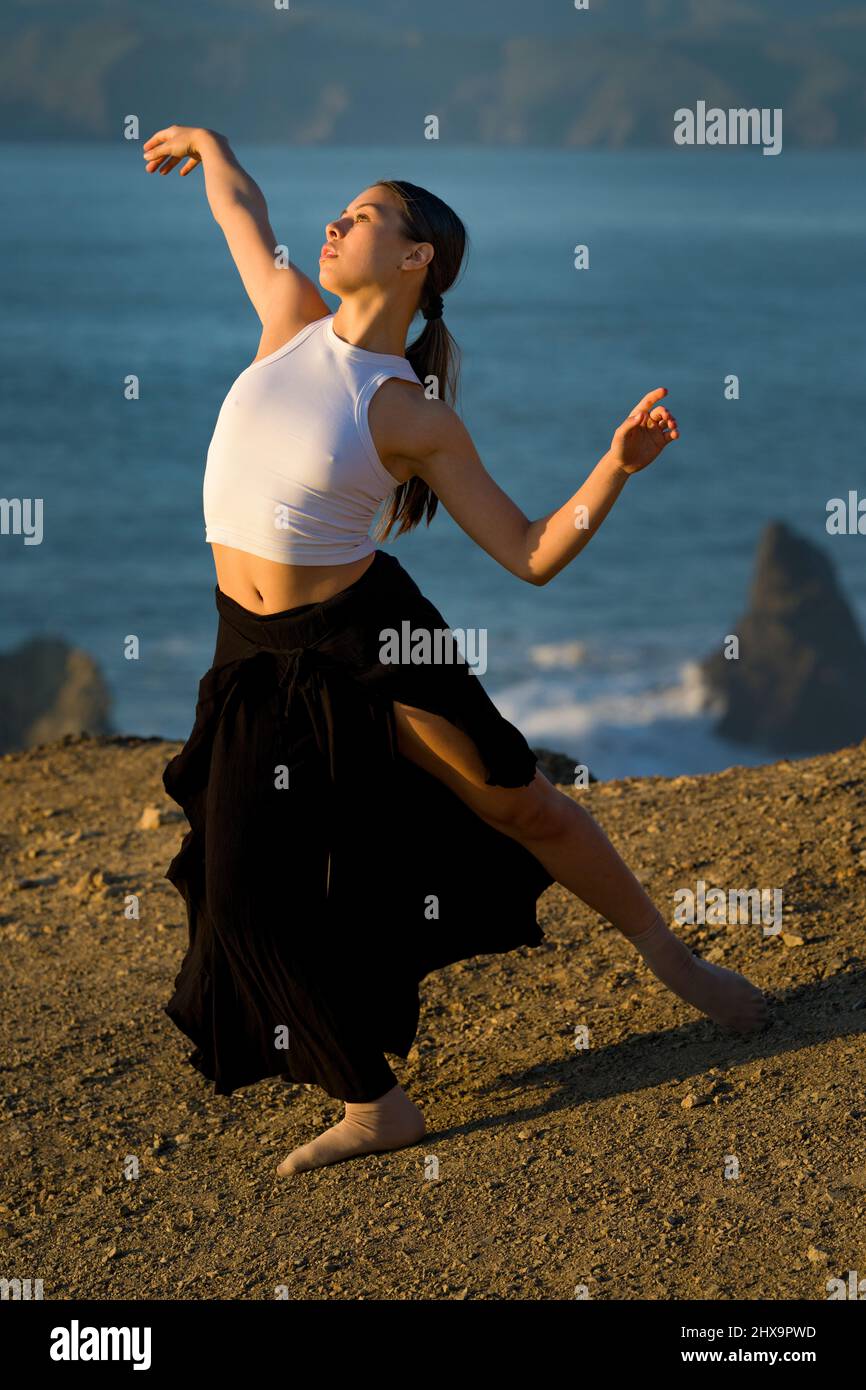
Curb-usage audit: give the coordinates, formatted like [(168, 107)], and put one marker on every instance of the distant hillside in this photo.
[(496, 72)]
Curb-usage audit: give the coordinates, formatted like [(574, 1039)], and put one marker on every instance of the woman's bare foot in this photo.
[(391, 1122)]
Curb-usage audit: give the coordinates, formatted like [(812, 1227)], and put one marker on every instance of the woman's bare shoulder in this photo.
[(407, 425), (293, 305)]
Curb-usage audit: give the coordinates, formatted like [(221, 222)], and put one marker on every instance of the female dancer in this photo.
[(355, 820)]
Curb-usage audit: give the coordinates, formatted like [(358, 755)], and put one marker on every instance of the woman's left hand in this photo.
[(643, 434)]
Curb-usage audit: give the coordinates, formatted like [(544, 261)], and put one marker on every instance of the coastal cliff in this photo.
[(607, 1165)]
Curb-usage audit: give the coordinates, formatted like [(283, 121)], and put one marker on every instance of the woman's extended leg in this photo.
[(576, 852)]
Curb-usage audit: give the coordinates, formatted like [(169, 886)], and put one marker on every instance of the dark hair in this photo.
[(434, 353)]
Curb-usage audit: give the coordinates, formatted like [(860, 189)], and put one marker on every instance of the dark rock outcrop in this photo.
[(559, 767), (47, 689), (799, 684)]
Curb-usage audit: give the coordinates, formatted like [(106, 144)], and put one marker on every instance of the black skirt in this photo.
[(324, 874)]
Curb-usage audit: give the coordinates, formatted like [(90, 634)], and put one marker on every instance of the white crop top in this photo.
[(292, 471)]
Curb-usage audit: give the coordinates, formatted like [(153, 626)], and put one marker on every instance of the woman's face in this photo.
[(365, 246)]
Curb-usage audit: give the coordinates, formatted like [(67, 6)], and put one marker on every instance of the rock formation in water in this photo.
[(47, 689), (799, 683), (559, 767)]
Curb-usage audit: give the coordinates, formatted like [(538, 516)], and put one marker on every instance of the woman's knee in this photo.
[(536, 812)]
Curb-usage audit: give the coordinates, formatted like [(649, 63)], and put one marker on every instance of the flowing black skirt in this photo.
[(324, 874)]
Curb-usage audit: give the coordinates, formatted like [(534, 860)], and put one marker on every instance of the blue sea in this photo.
[(703, 263)]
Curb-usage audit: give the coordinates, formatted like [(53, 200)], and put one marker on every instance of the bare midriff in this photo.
[(266, 586)]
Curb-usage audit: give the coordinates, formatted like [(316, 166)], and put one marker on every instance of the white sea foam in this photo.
[(624, 725)]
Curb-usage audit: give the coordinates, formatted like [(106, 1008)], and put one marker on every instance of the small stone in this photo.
[(792, 939), (90, 882), (151, 818), (817, 1257)]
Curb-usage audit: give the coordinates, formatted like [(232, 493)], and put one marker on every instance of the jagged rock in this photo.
[(48, 689), (799, 684), (558, 766)]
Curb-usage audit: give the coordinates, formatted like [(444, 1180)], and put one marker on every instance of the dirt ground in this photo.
[(666, 1160)]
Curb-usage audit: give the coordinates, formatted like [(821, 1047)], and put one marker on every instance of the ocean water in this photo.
[(702, 263)]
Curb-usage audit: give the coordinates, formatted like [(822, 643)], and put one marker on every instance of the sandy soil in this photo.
[(557, 1167)]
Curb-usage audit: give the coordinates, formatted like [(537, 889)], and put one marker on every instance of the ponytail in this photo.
[(434, 355)]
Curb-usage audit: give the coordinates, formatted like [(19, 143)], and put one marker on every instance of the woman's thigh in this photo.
[(438, 747)]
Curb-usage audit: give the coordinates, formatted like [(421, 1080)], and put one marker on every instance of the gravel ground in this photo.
[(666, 1160)]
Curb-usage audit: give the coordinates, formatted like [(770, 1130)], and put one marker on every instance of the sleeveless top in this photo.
[(292, 472)]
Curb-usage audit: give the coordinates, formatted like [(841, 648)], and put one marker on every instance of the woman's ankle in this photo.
[(647, 923)]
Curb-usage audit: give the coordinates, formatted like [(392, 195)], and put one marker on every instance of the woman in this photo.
[(359, 818)]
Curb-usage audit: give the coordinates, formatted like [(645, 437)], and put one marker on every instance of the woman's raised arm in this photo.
[(431, 438), (239, 208)]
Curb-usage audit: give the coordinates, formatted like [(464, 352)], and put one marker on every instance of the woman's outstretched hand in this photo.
[(643, 434), (168, 147)]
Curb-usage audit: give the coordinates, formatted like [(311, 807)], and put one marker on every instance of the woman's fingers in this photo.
[(168, 157), (659, 419), (633, 422), (166, 148), (666, 429), (658, 425), (173, 143), (163, 149), (155, 156), (649, 400), (159, 136)]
